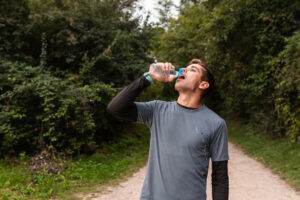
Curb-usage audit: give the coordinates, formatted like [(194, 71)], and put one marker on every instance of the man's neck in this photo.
[(190, 101)]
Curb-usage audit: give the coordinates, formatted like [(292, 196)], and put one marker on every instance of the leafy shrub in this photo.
[(71, 55), (38, 110), (13, 19), (100, 40), (287, 88)]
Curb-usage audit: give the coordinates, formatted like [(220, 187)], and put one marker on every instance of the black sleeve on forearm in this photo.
[(220, 182), (122, 105)]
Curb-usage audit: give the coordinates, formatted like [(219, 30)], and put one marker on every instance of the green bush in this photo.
[(65, 59), (287, 87), (13, 18), (38, 110), (101, 40)]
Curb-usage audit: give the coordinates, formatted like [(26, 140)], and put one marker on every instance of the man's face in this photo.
[(191, 79)]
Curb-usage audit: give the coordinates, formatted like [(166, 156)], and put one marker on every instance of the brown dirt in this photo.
[(248, 180)]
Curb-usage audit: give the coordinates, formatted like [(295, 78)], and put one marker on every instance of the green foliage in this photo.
[(38, 110), (99, 39), (239, 40), (164, 11), (68, 34), (13, 18), (65, 59), (287, 88)]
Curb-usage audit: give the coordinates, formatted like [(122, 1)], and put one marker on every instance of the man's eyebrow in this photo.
[(195, 68)]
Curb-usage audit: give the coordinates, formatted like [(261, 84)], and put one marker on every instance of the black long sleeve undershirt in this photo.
[(122, 106), (220, 180)]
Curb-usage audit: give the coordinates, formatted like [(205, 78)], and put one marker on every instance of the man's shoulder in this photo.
[(156, 103), (214, 117), (160, 102)]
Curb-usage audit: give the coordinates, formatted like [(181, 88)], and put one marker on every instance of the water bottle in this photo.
[(166, 73)]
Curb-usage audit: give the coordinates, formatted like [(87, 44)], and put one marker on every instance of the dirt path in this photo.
[(248, 180)]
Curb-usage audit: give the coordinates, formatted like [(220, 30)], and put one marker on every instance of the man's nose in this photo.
[(184, 71)]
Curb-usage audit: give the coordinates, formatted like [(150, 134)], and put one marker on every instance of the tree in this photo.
[(165, 12), (238, 39), (13, 19), (60, 64)]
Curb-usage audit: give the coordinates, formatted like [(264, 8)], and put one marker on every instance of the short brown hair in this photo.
[(207, 76)]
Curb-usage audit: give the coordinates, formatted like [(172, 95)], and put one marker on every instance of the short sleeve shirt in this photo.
[(181, 144)]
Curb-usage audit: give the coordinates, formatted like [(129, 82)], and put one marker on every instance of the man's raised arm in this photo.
[(122, 105)]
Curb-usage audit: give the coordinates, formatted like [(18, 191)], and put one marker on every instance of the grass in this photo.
[(280, 155), (113, 162)]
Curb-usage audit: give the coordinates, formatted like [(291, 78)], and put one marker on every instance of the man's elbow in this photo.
[(115, 109), (110, 108)]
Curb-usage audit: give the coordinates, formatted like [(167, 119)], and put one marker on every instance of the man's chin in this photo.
[(182, 86), (178, 86)]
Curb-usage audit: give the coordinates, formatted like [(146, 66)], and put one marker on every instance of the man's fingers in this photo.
[(170, 66), (166, 66)]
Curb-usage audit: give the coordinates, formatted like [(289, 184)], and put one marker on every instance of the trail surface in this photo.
[(248, 180)]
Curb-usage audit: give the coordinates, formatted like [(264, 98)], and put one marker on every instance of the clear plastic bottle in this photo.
[(166, 73)]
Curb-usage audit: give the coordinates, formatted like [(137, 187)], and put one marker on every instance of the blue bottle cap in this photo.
[(180, 72)]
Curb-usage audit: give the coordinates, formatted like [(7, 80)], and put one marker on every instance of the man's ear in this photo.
[(204, 85)]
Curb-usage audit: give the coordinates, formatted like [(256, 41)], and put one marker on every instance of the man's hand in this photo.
[(165, 68)]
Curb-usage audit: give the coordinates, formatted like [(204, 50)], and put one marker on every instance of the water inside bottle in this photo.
[(177, 73)]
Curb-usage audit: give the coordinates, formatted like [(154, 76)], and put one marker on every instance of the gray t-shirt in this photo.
[(181, 144)]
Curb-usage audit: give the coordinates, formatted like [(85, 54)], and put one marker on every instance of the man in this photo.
[(184, 135)]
